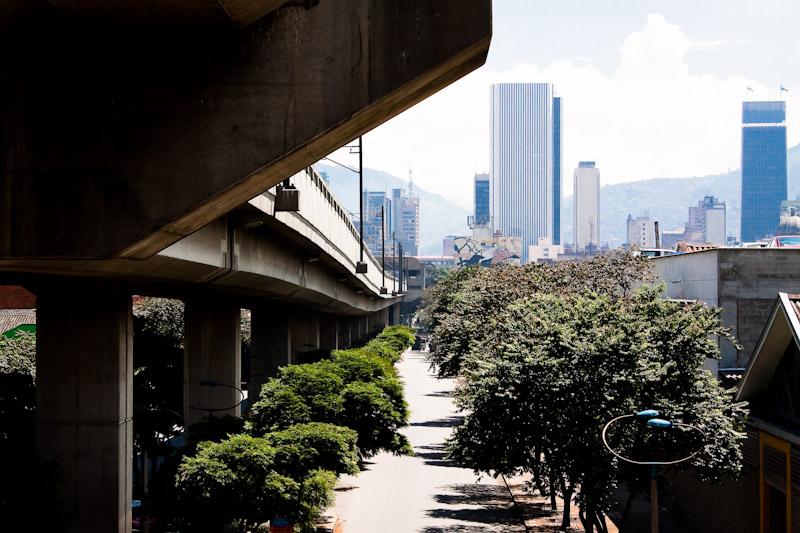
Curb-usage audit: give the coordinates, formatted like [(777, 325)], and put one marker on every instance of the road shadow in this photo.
[(476, 507), (448, 422), (435, 455), (440, 394)]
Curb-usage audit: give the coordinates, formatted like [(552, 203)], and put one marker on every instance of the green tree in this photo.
[(461, 311), (558, 366)]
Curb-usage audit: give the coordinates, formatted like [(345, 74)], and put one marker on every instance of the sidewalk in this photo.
[(425, 493)]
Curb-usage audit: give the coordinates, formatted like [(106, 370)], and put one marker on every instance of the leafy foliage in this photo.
[(311, 422), (549, 354), (356, 388), (243, 480), (327, 446), (17, 390), (462, 309)]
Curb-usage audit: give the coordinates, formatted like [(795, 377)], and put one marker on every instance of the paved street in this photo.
[(424, 493)]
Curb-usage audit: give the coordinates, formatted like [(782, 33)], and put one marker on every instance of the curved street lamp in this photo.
[(651, 416)]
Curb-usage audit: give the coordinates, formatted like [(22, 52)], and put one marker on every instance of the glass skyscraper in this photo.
[(557, 170), (763, 167), (526, 162), (482, 199)]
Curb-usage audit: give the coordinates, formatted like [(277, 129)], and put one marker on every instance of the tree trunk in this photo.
[(587, 524), (566, 518)]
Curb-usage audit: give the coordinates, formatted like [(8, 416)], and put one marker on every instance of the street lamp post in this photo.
[(652, 421)]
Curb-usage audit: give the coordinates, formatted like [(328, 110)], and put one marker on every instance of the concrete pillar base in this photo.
[(212, 360), (270, 347), (84, 396)]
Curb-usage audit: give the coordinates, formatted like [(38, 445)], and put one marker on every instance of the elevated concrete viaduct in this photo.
[(136, 142)]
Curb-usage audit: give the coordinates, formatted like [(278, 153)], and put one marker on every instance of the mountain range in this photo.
[(664, 199), (667, 200)]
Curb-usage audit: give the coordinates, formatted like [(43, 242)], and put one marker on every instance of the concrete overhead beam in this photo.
[(120, 142), (174, 12)]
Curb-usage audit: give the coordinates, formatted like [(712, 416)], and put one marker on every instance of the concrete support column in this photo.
[(345, 332), (212, 354), (84, 397), (358, 328), (270, 347), (328, 333), (394, 314), (305, 335), (383, 318)]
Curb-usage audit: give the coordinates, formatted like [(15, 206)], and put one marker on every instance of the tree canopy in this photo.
[(549, 354)]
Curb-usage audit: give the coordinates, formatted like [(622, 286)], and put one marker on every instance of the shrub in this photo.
[(240, 481), (382, 349), (357, 388), (279, 407), (398, 337), (358, 364), (327, 446), (370, 412)]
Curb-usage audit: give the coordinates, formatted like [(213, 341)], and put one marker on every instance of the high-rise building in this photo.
[(482, 200), (525, 178), (405, 222), (586, 192), (707, 222), (373, 239), (763, 167), (643, 232), (557, 170)]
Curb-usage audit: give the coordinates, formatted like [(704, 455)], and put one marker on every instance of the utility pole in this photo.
[(361, 266), (383, 249), (394, 265)]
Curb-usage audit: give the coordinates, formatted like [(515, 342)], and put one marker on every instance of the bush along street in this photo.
[(311, 423), (548, 354)]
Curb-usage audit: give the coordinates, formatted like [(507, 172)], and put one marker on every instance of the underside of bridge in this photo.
[(134, 136)]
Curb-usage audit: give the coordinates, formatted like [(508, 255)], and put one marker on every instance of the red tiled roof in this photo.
[(16, 297)]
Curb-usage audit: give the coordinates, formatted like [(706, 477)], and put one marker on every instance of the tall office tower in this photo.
[(482, 215), (586, 191), (405, 222), (557, 170), (525, 186), (373, 200), (763, 167)]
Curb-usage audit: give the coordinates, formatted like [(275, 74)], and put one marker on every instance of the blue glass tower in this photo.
[(482, 199), (763, 167), (557, 170)]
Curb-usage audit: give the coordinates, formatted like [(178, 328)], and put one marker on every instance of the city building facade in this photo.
[(643, 232), (586, 193), (764, 184), (482, 200), (707, 222), (544, 251), (405, 220), (374, 238), (525, 178)]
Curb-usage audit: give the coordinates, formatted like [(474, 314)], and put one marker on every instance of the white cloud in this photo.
[(651, 117)]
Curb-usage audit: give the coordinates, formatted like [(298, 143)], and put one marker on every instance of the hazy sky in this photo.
[(650, 88)]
